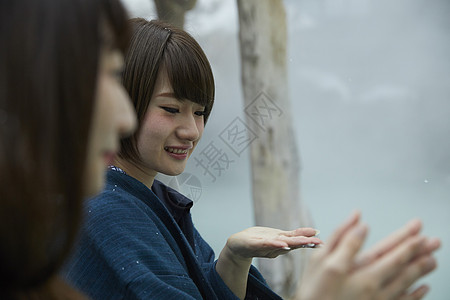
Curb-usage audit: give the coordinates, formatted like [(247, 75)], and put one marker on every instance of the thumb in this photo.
[(350, 245)]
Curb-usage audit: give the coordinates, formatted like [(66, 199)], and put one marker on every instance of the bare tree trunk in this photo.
[(173, 11), (274, 156)]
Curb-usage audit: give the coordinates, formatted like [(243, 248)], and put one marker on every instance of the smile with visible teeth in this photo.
[(176, 151)]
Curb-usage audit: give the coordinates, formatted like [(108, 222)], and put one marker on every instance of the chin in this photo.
[(94, 186), (171, 172)]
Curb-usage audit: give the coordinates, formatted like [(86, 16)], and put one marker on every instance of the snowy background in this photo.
[(370, 89)]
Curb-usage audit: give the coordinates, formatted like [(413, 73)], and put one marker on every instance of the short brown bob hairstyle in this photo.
[(156, 45)]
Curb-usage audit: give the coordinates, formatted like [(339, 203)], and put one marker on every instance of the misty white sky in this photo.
[(370, 90)]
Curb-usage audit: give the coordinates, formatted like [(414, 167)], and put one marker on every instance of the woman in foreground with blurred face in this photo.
[(62, 111)]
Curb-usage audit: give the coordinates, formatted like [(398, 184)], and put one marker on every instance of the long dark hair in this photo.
[(156, 45), (49, 57)]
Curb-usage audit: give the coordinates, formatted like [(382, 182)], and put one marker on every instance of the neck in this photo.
[(139, 173)]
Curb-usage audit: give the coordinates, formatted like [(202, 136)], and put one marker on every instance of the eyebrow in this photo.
[(166, 95), (172, 95)]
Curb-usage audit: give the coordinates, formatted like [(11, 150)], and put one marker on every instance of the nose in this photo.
[(189, 129), (127, 120)]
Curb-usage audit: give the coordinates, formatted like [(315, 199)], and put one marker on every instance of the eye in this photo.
[(200, 113), (117, 74), (170, 109)]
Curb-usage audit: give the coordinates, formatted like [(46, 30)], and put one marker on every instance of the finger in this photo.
[(342, 229), (393, 262), (417, 294), (291, 242), (301, 232), (337, 264), (298, 242), (431, 245), (410, 229), (414, 271), (350, 244), (275, 253)]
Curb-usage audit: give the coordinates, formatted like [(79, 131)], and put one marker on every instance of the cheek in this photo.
[(97, 121), (200, 127), (152, 133), (116, 116), (104, 108)]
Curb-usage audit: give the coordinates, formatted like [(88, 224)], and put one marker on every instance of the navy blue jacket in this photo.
[(139, 243)]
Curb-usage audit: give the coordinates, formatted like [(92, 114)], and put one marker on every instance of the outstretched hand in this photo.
[(270, 242), (236, 257), (386, 271)]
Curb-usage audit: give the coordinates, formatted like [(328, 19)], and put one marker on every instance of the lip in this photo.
[(184, 151), (108, 157)]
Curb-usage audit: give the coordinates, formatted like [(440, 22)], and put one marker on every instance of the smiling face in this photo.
[(170, 130), (113, 117)]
